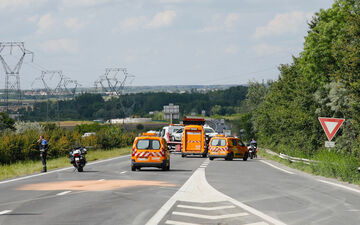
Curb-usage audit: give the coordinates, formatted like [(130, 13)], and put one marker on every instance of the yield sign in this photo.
[(330, 126)]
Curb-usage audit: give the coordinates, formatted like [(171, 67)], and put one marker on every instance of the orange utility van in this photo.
[(150, 150), (227, 148), (194, 140)]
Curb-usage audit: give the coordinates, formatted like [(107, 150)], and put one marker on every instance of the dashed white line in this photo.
[(339, 185), (63, 193), (101, 180), (209, 216), (173, 222), (5, 212), (277, 167), (206, 208), (123, 172)]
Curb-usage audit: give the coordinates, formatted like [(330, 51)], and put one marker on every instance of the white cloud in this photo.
[(221, 22), (232, 49), (266, 49), (283, 23), (44, 23), (132, 23), (74, 23), (60, 45), (5, 4), (231, 19), (33, 19), (170, 1), (162, 19), (83, 3)]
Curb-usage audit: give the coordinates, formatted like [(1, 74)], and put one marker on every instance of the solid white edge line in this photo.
[(63, 193), (258, 223), (5, 211), (173, 222), (339, 185), (277, 167), (59, 170)]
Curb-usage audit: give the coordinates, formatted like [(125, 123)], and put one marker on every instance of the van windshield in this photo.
[(148, 144), (218, 142)]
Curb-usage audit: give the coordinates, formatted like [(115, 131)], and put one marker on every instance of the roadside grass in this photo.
[(331, 165), (31, 167)]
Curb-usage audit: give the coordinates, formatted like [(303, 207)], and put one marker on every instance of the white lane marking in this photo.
[(63, 193), (259, 223), (202, 166), (197, 189), (59, 170), (206, 208), (5, 212), (209, 217), (101, 180), (276, 167), (123, 172), (339, 185), (173, 222)]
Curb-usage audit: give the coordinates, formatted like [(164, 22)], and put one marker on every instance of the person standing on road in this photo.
[(43, 151)]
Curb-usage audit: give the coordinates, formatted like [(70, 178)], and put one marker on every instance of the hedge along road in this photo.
[(194, 191)]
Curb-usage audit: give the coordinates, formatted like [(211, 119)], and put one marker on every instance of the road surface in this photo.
[(195, 191)]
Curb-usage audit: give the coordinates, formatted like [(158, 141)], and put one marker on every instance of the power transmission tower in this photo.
[(55, 91), (114, 82), (12, 72), (70, 86)]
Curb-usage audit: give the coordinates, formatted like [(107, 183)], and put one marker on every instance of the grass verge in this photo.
[(30, 167), (331, 165)]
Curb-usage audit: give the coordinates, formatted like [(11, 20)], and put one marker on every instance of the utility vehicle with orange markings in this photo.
[(150, 150), (228, 148), (194, 139)]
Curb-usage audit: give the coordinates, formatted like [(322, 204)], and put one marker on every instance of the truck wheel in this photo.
[(211, 158), (168, 166), (183, 155), (231, 157), (246, 156), (133, 168), (164, 166)]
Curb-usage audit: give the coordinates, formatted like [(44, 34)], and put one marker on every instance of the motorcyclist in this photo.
[(253, 144), (43, 151)]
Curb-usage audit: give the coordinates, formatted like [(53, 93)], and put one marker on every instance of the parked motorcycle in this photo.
[(252, 151), (77, 158)]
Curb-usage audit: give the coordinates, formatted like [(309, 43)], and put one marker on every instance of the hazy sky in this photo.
[(161, 42)]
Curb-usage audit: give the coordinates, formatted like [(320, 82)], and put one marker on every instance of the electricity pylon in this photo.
[(12, 72)]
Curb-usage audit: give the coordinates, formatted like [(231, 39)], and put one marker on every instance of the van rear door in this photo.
[(193, 140)]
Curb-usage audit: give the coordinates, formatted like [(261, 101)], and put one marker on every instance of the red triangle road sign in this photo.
[(330, 126)]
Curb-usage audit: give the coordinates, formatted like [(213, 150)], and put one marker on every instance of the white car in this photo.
[(177, 136), (167, 131), (210, 132)]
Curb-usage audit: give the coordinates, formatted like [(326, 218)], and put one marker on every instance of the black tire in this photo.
[(80, 169), (168, 166), (211, 158), (183, 155), (231, 157), (133, 168), (246, 156), (251, 156), (164, 166)]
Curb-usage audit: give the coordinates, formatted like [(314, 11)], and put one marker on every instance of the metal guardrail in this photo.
[(296, 159)]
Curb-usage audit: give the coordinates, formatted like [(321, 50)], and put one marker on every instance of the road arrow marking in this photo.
[(210, 217), (63, 193), (206, 208), (5, 212)]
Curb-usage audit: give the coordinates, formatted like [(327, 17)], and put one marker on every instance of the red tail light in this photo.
[(76, 154)]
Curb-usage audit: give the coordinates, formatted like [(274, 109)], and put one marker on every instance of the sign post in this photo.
[(330, 126), (171, 112)]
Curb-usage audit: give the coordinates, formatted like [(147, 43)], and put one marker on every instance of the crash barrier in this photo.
[(296, 159), (290, 158)]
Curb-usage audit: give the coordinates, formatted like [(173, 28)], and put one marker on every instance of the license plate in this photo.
[(155, 158), (142, 159)]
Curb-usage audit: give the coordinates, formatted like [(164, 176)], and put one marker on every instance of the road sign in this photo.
[(329, 144), (330, 126)]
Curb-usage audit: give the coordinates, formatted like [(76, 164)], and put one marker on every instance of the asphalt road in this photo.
[(194, 191)]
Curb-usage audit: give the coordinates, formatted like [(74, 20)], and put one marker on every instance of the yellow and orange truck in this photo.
[(194, 139), (150, 150)]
